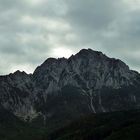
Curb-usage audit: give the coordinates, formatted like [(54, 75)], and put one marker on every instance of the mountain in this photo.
[(61, 90)]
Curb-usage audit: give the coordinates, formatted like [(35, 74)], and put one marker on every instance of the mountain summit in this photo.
[(63, 89)]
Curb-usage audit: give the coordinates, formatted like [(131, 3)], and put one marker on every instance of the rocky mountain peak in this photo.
[(20, 73), (50, 61), (88, 68), (88, 53), (78, 80)]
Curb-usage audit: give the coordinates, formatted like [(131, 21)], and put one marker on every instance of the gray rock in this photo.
[(88, 82)]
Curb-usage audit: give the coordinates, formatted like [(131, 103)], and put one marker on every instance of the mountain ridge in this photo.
[(64, 58), (88, 82)]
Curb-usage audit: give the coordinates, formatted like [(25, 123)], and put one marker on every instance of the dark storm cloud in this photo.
[(30, 30)]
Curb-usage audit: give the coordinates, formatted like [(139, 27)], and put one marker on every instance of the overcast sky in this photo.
[(33, 30)]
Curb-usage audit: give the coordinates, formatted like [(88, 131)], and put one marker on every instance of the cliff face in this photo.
[(16, 94), (88, 82), (87, 69)]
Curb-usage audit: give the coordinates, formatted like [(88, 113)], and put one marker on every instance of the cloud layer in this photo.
[(33, 30)]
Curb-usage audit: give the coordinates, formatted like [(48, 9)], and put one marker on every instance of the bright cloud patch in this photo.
[(62, 52)]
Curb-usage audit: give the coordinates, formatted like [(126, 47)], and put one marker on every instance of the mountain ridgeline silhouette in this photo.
[(61, 90)]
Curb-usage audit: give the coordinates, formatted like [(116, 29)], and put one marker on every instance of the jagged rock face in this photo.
[(87, 69), (66, 88), (47, 76), (16, 94)]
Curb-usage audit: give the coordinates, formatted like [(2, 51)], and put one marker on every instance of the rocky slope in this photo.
[(64, 89)]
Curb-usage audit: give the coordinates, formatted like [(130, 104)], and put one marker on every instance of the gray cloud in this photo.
[(112, 27), (31, 31)]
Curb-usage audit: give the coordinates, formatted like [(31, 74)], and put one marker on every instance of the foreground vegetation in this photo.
[(109, 126)]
